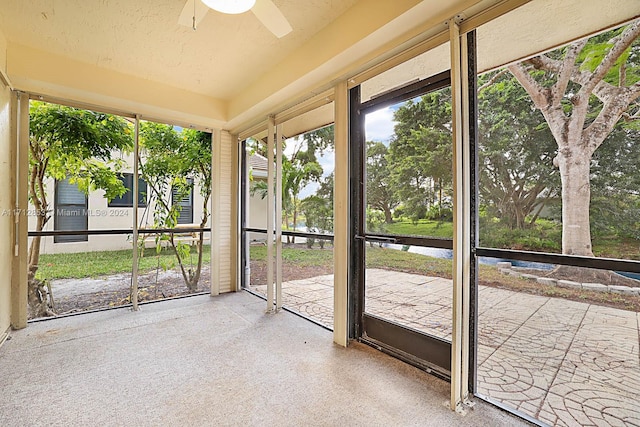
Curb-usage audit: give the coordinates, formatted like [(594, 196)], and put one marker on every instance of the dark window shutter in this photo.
[(70, 212)]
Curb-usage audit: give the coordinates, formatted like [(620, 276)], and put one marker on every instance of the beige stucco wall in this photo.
[(5, 203)]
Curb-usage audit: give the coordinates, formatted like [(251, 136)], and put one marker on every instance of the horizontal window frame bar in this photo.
[(427, 242), (404, 93), (629, 266), (112, 232), (291, 233)]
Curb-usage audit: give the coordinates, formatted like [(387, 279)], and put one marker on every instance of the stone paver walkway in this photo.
[(565, 363)]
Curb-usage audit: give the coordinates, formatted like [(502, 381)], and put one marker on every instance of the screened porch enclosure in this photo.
[(453, 184)]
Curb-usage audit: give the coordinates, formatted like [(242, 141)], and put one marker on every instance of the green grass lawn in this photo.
[(296, 255), (94, 264)]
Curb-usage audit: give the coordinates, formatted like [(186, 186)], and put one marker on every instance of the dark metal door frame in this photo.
[(428, 352)]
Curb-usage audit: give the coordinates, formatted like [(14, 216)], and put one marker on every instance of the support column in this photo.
[(236, 221), (456, 105), (20, 160), (341, 216), (278, 216), (134, 266), (467, 188), (461, 219), (270, 213), (216, 197)]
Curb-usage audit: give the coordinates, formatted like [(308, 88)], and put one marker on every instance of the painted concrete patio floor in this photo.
[(565, 363)]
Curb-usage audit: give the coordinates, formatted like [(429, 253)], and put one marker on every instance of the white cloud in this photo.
[(379, 125)]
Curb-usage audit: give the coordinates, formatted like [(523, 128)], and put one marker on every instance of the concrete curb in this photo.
[(507, 268)]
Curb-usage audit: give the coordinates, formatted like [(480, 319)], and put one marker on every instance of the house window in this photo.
[(70, 212), (186, 204), (126, 200)]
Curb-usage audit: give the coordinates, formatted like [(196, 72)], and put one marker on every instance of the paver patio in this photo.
[(565, 363)]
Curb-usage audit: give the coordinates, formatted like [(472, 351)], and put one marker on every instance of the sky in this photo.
[(378, 127)]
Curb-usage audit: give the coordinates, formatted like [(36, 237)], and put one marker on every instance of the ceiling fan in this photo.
[(268, 13)]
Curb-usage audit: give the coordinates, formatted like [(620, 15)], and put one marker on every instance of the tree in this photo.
[(380, 194), (318, 141), (300, 167), (318, 214), (318, 210), (171, 161), (517, 177), (583, 90), (83, 146), (420, 152), (295, 176)]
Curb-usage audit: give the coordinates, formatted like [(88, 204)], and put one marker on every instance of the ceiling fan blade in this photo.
[(186, 16), (271, 17)]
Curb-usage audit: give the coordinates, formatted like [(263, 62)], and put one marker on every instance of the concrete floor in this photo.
[(212, 361)]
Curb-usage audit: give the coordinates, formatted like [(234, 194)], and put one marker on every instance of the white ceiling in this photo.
[(132, 55), (142, 38)]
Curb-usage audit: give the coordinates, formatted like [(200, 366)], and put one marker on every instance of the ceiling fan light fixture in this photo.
[(232, 7)]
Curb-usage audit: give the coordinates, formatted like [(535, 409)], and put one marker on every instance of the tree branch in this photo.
[(623, 41), (613, 108), (543, 62), (492, 80), (566, 70), (531, 86)]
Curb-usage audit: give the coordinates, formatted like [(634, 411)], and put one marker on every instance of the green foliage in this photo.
[(173, 164), (440, 213), (318, 213), (84, 146), (169, 160), (599, 46), (583, 91), (70, 133), (545, 236), (380, 192), (317, 142), (423, 227), (301, 168), (615, 201), (375, 221)]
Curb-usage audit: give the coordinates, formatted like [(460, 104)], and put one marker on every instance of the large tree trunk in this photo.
[(388, 218), (574, 162)]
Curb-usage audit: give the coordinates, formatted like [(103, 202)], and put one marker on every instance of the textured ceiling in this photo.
[(142, 38)]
